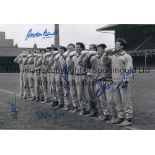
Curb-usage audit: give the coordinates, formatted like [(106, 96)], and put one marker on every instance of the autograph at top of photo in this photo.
[(45, 34)]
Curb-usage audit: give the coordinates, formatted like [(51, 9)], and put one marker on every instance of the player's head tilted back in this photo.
[(120, 45), (92, 47)]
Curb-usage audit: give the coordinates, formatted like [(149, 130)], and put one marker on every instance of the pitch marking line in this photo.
[(9, 92)]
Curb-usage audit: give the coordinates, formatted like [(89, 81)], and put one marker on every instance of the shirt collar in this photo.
[(77, 55), (120, 54)]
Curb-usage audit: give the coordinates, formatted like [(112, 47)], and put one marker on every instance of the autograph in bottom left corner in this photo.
[(14, 108)]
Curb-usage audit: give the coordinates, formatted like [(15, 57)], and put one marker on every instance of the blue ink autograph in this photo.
[(47, 115), (125, 77), (64, 76), (45, 34), (108, 86), (14, 108), (103, 87)]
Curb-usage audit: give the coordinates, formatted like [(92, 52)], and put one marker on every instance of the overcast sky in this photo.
[(69, 33)]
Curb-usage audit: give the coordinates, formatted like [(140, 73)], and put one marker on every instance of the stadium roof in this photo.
[(145, 27), (138, 36)]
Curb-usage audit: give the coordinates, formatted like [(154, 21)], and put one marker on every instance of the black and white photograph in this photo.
[(77, 76)]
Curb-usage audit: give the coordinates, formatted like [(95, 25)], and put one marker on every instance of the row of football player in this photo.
[(102, 94)]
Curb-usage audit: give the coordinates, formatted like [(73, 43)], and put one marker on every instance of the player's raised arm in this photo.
[(25, 61), (51, 61), (52, 57), (107, 56), (44, 61), (69, 61), (39, 61), (17, 58), (30, 60), (35, 61)]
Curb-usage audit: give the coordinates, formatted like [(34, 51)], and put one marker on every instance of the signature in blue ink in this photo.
[(64, 76), (47, 115), (45, 34), (103, 87), (14, 108), (125, 77)]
